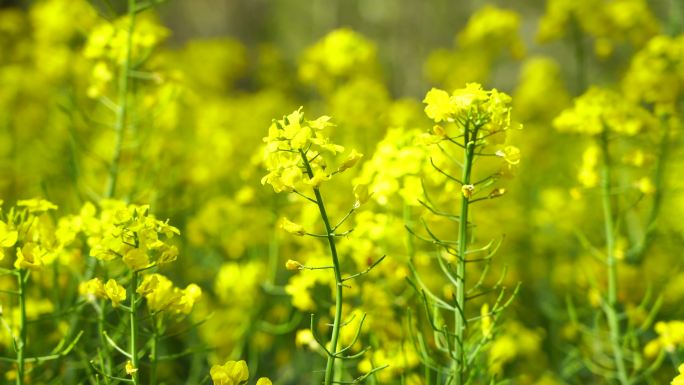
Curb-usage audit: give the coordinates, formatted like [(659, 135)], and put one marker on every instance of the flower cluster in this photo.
[(28, 225), (609, 22), (599, 110), (340, 55), (107, 46), (163, 296), (133, 236), (234, 373), (487, 111), (291, 139), (670, 338), (123, 231), (656, 73)]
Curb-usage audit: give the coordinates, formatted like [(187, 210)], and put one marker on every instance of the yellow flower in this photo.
[(115, 292), (351, 161), (148, 285), (291, 227), (486, 321), (587, 176), (601, 109), (189, 296), (7, 238), (29, 257), (93, 287), (467, 190), (37, 205), (288, 141), (670, 337), (361, 194), (230, 373), (136, 259), (646, 186), (292, 265), (439, 105), (510, 154), (130, 369), (470, 106), (679, 380), (264, 381)]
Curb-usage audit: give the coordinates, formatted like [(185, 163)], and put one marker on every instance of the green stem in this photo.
[(459, 314), (103, 350), (21, 346), (122, 107), (330, 365), (611, 262), (154, 351), (134, 325)]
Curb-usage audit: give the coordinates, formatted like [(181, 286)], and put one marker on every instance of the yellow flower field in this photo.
[(341, 192)]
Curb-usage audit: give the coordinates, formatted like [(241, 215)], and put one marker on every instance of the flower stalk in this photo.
[(134, 326), (330, 365), (611, 263), (459, 314), (22, 276)]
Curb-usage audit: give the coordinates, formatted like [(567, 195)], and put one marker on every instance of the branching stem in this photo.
[(611, 262), (330, 365)]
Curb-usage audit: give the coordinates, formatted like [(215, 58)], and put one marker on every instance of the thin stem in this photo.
[(330, 365), (21, 346), (154, 350), (134, 325), (122, 105), (611, 262), (460, 324)]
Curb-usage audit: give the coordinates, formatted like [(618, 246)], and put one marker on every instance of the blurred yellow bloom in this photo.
[(600, 109), (670, 338), (305, 338), (264, 381), (486, 321), (361, 194), (162, 295), (679, 380), (30, 256), (291, 227), (148, 285), (92, 287), (230, 373), (292, 265), (439, 105), (7, 238), (351, 161), (510, 154), (588, 176), (645, 186), (136, 259), (37, 205), (115, 292), (341, 54)]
